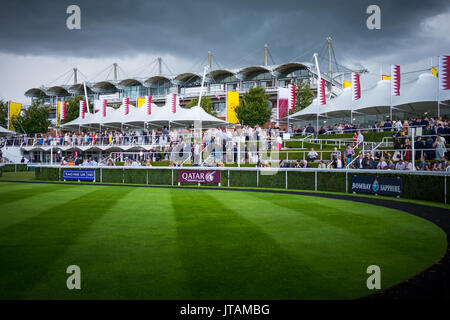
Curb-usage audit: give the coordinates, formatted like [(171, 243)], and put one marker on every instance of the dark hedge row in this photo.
[(420, 187), (14, 167)]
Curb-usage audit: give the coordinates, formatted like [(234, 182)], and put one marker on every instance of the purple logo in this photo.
[(199, 176)]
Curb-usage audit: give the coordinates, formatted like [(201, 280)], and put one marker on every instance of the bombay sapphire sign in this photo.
[(79, 175), (377, 185), (199, 176)]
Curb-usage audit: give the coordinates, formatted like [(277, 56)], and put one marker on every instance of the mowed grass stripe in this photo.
[(31, 246), (229, 257), (12, 192), (130, 252), (364, 234), (18, 211)]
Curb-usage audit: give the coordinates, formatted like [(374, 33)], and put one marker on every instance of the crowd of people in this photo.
[(430, 144)]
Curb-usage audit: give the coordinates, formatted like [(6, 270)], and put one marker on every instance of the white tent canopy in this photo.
[(138, 117), (4, 131), (416, 96)]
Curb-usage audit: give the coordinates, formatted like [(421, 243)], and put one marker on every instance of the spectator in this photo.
[(367, 162), (349, 153), (422, 164), (382, 164), (400, 165), (358, 164), (408, 165), (312, 155)]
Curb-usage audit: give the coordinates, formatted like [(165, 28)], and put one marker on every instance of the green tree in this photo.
[(304, 97), (33, 120), (205, 104), (3, 113), (73, 108), (254, 107)]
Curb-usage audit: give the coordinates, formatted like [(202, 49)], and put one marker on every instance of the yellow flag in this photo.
[(58, 113), (14, 110), (232, 103), (385, 77), (434, 72), (347, 84), (140, 102)]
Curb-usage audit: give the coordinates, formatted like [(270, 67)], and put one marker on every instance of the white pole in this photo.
[(390, 100), (413, 134), (8, 113), (319, 79), (85, 94), (438, 91), (201, 88)]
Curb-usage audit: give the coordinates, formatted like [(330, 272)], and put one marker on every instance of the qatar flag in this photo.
[(82, 109), (173, 101), (292, 96), (148, 104), (282, 102), (356, 87), (395, 80), (126, 103), (104, 107), (321, 91), (444, 72), (62, 112)]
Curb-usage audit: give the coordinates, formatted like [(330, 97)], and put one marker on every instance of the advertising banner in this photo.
[(377, 185), (82, 175), (199, 176)]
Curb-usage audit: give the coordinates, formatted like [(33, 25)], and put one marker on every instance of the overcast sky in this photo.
[(36, 47)]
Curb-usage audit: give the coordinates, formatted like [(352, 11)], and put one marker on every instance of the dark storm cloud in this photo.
[(231, 29)]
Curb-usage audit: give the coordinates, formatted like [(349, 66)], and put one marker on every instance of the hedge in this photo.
[(368, 136), (8, 167), (420, 187)]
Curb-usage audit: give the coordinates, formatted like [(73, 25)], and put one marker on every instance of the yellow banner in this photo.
[(347, 84), (140, 102), (232, 103), (58, 113), (14, 110), (385, 77), (434, 72)]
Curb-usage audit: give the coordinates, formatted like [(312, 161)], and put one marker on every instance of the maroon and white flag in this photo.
[(148, 104), (356, 86), (444, 72), (104, 107), (395, 80), (292, 96), (82, 109), (62, 112), (126, 103), (321, 91), (173, 102), (282, 102)]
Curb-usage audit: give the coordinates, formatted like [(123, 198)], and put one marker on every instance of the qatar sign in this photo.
[(199, 176)]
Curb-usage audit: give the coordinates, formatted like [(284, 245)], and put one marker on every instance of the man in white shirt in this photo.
[(400, 165), (312, 155), (382, 164)]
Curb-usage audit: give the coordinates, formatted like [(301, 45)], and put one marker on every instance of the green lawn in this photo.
[(154, 243)]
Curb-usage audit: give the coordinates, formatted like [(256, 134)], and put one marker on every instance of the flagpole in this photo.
[(9, 102), (85, 94), (438, 91), (390, 98)]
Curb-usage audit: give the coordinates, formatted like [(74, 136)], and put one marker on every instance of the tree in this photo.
[(73, 108), (33, 120), (3, 113), (254, 107), (304, 96), (205, 104)]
